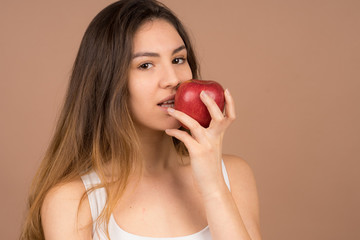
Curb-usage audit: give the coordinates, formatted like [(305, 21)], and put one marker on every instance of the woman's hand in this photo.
[(205, 144)]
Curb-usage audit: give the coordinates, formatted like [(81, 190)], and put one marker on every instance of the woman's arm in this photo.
[(230, 215), (235, 214), (61, 216)]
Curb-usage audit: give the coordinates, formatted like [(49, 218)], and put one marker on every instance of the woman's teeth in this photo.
[(169, 103)]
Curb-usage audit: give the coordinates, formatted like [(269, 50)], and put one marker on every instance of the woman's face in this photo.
[(158, 65)]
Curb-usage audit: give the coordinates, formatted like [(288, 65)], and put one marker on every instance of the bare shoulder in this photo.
[(238, 168), (62, 215), (242, 180), (244, 191)]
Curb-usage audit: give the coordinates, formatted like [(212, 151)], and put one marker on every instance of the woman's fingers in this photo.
[(220, 122), (183, 136), (229, 106), (213, 108), (195, 128)]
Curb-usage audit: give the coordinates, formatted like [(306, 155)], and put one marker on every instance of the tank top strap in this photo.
[(97, 197), (225, 174)]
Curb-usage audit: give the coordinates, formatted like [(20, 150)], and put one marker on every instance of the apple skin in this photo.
[(187, 99)]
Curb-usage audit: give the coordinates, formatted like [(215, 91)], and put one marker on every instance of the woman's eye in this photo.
[(145, 66), (178, 60)]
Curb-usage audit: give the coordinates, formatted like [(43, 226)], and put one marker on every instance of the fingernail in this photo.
[(227, 91), (203, 93), (170, 110)]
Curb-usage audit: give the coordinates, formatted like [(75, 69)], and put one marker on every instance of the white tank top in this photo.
[(97, 200)]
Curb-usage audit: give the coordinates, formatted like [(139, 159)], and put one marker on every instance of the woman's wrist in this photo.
[(216, 192)]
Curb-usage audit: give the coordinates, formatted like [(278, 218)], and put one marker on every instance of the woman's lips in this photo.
[(168, 98)]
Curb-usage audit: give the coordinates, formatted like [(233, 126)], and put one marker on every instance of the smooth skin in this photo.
[(171, 199)]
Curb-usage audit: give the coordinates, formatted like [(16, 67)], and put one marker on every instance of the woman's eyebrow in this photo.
[(152, 54), (178, 49)]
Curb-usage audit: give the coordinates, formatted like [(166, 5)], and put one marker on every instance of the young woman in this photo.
[(119, 165)]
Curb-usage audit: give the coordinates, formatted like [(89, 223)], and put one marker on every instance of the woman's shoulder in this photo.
[(235, 163), (240, 173), (66, 212), (70, 192)]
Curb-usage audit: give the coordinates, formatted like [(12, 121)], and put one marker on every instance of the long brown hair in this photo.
[(95, 126)]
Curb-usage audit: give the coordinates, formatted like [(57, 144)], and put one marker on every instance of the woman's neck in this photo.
[(158, 153)]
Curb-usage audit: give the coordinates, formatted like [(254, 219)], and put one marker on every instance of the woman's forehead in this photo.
[(156, 36)]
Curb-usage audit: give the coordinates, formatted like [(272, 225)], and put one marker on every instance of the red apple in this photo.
[(187, 99)]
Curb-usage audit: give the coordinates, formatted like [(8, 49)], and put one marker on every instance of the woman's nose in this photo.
[(169, 78)]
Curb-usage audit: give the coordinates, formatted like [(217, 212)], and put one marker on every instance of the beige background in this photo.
[(292, 66)]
